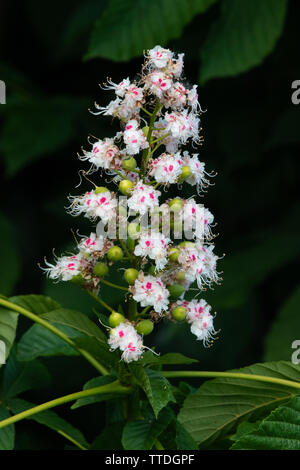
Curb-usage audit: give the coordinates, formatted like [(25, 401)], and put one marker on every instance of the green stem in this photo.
[(233, 375), (160, 138), (56, 331), (114, 387), (100, 301), (146, 153), (143, 312), (110, 284), (123, 245), (146, 111)]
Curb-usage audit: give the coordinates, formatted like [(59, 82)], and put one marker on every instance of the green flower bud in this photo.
[(131, 275), (180, 276), (173, 254), (126, 187), (176, 290), (145, 129), (100, 269), (185, 173), (133, 230), (130, 243), (187, 244), (152, 270), (115, 319), (179, 313), (129, 163), (101, 189), (115, 253), (176, 205), (144, 327), (78, 279)]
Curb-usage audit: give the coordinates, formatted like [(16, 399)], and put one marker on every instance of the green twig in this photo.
[(114, 387), (233, 375), (110, 284), (56, 331)]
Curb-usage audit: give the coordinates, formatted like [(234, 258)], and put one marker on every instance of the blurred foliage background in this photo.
[(243, 55)]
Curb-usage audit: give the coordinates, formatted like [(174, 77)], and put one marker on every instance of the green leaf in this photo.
[(143, 26), (99, 350), (170, 359), (50, 419), (243, 35), (43, 125), (36, 304), (9, 256), (141, 434), (18, 377), (75, 320), (38, 341), (96, 382), (279, 431), (7, 434), (8, 326), (110, 438), (184, 440), (221, 404), (278, 344), (157, 388)]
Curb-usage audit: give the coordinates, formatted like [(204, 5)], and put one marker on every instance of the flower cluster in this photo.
[(159, 114)]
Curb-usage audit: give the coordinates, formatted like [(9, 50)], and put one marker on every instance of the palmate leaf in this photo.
[(221, 404), (50, 419), (142, 26), (243, 35), (279, 431)]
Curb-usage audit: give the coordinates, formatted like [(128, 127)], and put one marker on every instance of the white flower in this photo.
[(65, 268), (93, 205), (150, 290), (159, 57), (166, 168), (200, 318), (177, 66), (182, 125), (192, 99), (176, 96), (110, 110), (210, 262), (91, 244), (134, 138), (126, 338), (192, 262), (198, 174), (119, 88), (103, 153), (158, 83), (143, 198), (155, 246), (197, 219)]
